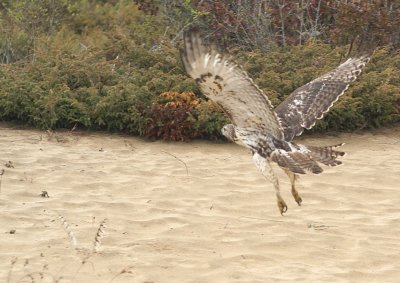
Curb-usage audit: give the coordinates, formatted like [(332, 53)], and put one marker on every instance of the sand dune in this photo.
[(193, 212)]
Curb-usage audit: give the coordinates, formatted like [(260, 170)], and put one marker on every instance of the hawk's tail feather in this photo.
[(326, 155), (297, 162), (307, 158)]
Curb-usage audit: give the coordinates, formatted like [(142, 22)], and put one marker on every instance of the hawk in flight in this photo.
[(266, 131)]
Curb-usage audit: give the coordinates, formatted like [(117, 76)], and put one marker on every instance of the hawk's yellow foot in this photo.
[(281, 205)]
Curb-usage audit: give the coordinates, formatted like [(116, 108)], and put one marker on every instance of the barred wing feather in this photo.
[(310, 102), (228, 85)]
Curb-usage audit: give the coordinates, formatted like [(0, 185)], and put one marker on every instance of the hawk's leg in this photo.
[(274, 180), (265, 167), (295, 193)]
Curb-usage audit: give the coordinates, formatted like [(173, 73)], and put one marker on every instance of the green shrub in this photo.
[(122, 108), (109, 66)]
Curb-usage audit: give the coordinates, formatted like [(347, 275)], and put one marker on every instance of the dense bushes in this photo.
[(182, 116), (110, 68)]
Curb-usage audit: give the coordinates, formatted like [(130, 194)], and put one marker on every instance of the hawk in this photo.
[(256, 125)]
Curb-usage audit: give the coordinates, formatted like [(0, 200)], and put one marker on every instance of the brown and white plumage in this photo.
[(311, 101), (268, 133), (228, 85)]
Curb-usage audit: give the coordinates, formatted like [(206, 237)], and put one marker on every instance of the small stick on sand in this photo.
[(187, 171), (123, 271), (83, 262)]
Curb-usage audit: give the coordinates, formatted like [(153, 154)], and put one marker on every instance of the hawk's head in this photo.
[(229, 132)]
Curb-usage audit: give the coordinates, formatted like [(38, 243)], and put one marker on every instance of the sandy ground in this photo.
[(192, 212)]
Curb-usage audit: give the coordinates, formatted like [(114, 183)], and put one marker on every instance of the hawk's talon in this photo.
[(282, 206), (297, 197)]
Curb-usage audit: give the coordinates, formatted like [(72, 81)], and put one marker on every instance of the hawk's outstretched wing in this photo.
[(310, 102), (229, 86)]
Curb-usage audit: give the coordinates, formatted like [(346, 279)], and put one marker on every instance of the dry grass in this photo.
[(99, 235), (70, 233), (43, 275)]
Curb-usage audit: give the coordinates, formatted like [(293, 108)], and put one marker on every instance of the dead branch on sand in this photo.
[(187, 171)]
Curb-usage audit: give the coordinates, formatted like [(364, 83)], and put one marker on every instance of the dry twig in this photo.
[(187, 171), (123, 271)]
